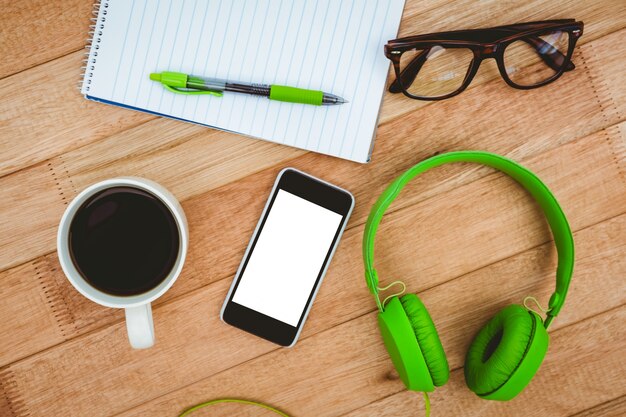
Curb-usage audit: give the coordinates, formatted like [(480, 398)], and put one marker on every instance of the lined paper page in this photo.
[(329, 45)]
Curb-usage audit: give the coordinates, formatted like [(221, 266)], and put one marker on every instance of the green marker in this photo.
[(180, 83)]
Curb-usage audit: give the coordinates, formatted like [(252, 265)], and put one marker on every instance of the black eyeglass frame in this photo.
[(484, 43)]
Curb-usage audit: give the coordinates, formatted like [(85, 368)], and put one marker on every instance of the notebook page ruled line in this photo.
[(179, 100), (276, 23), (254, 60), (132, 64), (217, 62), (369, 78), (288, 119), (219, 21), (306, 111), (352, 84), (362, 91), (117, 73), (330, 137), (167, 19), (146, 87), (234, 35), (336, 59), (208, 52), (140, 84), (168, 37), (387, 32), (308, 67), (233, 51), (198, 42), (172, 48), (273, 66), (281, 72), (241, 100), (324, 138), (347, 130)]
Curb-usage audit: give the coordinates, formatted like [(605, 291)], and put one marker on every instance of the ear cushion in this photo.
[(498, 349), (427, 338)]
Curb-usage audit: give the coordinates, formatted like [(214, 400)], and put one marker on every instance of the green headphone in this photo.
[(507, 352)]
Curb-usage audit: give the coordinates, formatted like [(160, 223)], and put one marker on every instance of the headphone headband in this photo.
[(559, 226)]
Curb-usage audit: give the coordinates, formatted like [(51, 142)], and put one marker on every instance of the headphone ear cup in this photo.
[(506, 353), (427, 338), (403, 348)]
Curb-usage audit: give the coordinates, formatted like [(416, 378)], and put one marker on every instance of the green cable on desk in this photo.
[(232, 400), (267, 407)]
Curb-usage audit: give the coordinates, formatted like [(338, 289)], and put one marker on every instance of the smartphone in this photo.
[(287, 257)]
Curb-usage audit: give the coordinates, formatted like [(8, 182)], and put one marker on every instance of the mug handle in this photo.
[(140, 326)]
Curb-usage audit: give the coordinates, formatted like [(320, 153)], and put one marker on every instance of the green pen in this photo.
[(180, 83)]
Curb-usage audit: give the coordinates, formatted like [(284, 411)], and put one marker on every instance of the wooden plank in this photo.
[(50, 30), (600, 18), (353, 368), (37, 31), (341, 300), (54, 361), (61, 120), (442, 15), (586, 167), (613, 408), (583, 366), (31, 219), (585, 108), (42, 304), (39, 123)]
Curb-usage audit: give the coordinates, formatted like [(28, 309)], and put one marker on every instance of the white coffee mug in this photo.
[(138, 311)]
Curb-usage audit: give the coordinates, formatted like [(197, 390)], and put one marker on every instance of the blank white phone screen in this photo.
[(287, 258)]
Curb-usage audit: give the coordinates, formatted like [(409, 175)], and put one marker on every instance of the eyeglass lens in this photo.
[(535, 59), (439, 70), (434, 72)]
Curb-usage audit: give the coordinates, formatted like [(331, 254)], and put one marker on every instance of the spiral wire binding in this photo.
[(96, 28)]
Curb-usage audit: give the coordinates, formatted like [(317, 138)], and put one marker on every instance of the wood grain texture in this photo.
[(354, 350), (604, 198), (579, 369), (467, 239), (341, 299), (587, 106), (600, 17), (37, 31), (614, 408), (61, 75), (218, 158), (37, 125), (30, 35)]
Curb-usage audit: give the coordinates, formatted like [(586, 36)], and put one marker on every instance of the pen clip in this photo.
[(192, 92)]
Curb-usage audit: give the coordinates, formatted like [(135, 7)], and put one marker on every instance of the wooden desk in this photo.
[(467, 239)]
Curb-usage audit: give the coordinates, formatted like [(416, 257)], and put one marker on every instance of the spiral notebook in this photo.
[(329, 45)]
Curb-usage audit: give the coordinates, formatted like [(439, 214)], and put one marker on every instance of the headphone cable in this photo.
[(232, 400)]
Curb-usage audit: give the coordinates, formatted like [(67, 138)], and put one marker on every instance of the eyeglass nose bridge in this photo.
[(490, 50)]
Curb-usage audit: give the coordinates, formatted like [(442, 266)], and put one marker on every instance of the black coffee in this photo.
[(124, 241)]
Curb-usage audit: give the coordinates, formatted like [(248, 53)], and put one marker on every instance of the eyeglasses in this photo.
[(441, 65)]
